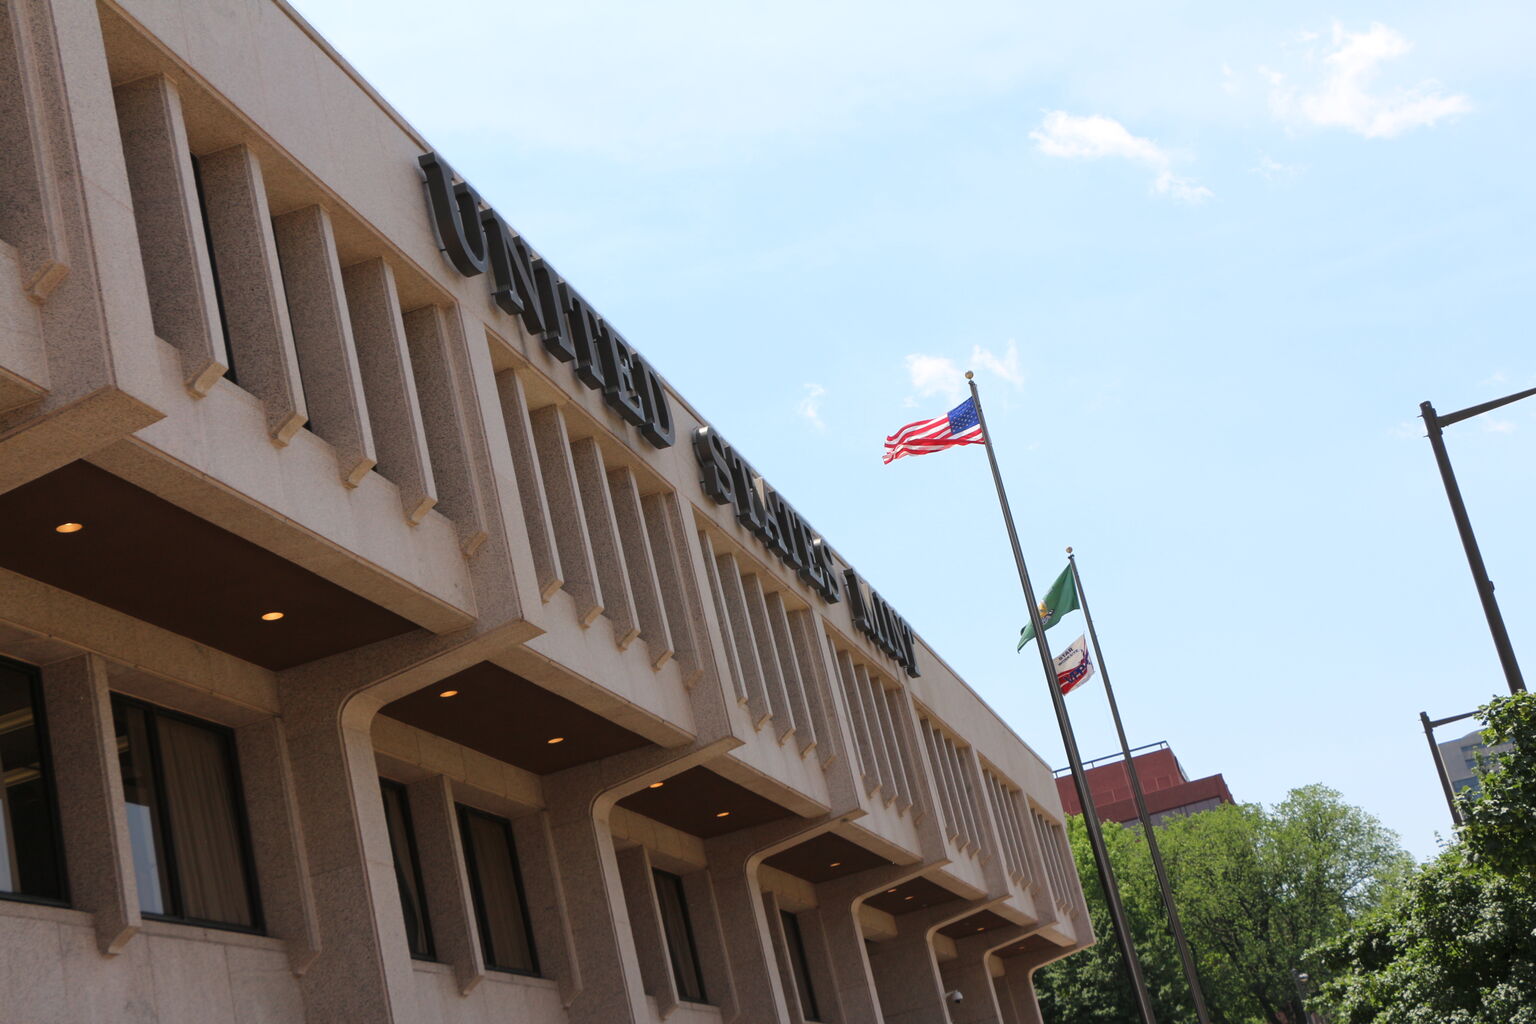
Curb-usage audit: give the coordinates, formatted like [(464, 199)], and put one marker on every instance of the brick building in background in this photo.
[(1167, 789)]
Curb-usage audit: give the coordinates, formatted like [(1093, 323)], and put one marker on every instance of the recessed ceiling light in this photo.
[(656, 785), (723, 814), (835, 864), (890, 890), (555, 739), (911, 897), (982, 928), (449, 693), (271, 616), (69, 528)]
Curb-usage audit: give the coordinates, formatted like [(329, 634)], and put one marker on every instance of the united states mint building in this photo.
[(383, 640)]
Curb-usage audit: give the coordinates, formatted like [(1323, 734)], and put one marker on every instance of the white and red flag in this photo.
[(961, 425), (1073, 666)]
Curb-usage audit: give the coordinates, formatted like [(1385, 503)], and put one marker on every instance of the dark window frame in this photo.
[(242, 818), (45, 759), (800, 966), (404, 793), (658, 879), (464, 812)]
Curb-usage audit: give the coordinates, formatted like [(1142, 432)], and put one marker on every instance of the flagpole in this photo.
[(1190, 974), (1068, 739)]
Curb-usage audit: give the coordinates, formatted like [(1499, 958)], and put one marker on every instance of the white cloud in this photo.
[(1273, 170), (1499, 426), (1345, 97), (939, 375), (810, 405), (1095, 137)]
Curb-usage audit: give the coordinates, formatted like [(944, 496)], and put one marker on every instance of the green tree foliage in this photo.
[(1459, 945), (1256, 890)]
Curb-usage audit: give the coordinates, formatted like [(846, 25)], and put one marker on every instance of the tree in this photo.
[(1256, 889), (1459, 945)]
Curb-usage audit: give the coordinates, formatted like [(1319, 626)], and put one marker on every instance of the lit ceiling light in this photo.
[(890, 890), (656, 785), (911, 897), (69, 528), (835, 864), (449, 693), (271, 616), (982, 928), (723, 814), (555, 739)]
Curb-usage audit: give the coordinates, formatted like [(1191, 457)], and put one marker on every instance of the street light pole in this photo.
[(1434, 423)]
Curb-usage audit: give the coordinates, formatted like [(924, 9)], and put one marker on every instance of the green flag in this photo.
[(1060, 599)]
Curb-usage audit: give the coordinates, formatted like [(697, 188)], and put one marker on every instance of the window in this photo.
[(213, 266), (800, 965), (402, 843), (497, 887), (679, 929), (30, 864), (186, 818)]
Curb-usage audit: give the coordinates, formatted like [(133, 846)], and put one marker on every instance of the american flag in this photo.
[(960, 426)]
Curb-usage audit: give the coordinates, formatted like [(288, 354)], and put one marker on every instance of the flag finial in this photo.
[(969, 375), (1069, 550)]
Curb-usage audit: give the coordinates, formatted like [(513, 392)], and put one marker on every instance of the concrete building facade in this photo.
[(1168, 791), (381, 638), (1467, 758)]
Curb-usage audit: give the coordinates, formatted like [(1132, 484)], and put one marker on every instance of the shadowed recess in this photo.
[(504, 716), (913, 894), (1029, 944), (825, 857), (143, 556), (704, 804), (981, 921)]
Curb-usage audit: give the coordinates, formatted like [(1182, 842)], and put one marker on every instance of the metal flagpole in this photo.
[(1090, 815), (1190, 973)]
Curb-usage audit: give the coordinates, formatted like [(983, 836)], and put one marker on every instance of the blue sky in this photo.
[(1206, 260)]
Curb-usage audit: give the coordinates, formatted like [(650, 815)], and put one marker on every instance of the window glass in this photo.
[(497, 887), (29, 843), (402, 843), (679, 930), (800, 965), (186, 824)]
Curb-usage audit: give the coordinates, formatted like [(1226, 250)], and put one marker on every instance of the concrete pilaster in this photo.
[(445, 881), (358, 974), (645, 920), (970, 974), (90, 788), (906, 975)]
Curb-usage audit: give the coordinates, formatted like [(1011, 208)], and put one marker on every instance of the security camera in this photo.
[(954, 995)]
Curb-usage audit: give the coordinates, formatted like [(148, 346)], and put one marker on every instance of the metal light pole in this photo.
[(1434, 423), (1430, 725)]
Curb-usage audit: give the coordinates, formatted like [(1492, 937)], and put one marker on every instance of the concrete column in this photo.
[(90, 792), (709, 939), (645, 921), (733, 864), (170, 224), (578, 570), (779, 944), (389, 385), (277, 840), (548, 909), (445, 881), (362, 972), (250, 283), (970, 973), (322, 338), (434, 336), (906, 975), (579, 800), (603, 533)]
